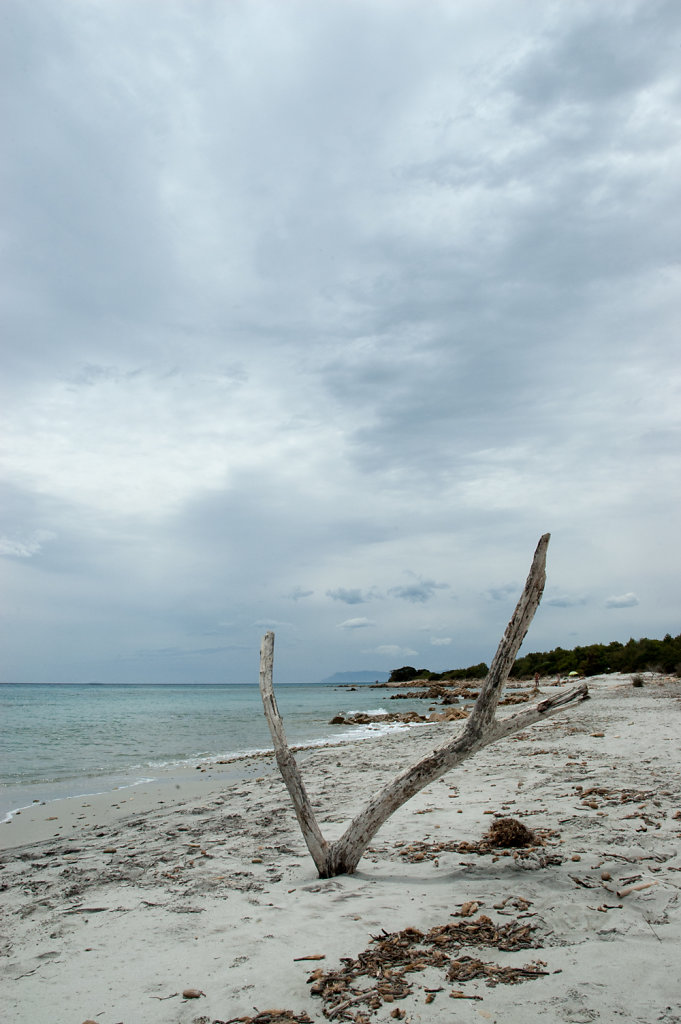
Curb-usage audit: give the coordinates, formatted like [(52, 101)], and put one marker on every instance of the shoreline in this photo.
[(223, 769), (166, 773), (211, 887), (365, 725)]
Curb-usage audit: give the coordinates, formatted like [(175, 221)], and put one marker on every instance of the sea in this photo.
[(65, 740)]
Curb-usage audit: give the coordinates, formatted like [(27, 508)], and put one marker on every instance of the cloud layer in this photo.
[(309, 306)]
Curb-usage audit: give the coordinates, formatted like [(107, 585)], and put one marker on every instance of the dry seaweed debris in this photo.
[(392, 955), (482, 932), (614, 796), (270, 1017), (505, 834), (509, 832), (467, 968)]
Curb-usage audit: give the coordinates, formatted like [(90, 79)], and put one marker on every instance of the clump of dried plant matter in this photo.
[(379, 974)]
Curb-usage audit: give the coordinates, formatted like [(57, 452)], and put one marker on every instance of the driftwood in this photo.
[(480, 729)]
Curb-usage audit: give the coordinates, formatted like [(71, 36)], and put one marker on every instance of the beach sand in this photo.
[(114, 905)]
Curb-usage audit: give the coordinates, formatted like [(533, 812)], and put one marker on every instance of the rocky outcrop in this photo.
[(408, 717)]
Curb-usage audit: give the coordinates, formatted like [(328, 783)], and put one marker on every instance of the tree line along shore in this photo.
[(643, 655)]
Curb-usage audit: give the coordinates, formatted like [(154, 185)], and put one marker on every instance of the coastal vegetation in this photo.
[(643, 655)]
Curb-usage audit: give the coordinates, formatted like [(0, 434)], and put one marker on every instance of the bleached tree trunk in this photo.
[(481, 729), (316, 844)]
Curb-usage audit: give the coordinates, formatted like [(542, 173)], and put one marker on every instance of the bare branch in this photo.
[(288, 766), (516, 631), (481, 729), (347, 851)]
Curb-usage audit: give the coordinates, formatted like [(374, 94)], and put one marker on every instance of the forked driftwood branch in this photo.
[(481, 728)]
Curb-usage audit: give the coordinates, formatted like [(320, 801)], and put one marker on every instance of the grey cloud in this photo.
[(300, 320), (189, 652), (393, 651), (418, 593), (629, 600), (298, 593), (574, 224), (503, 592), (358, 623), (25, 546), (599, 58), (272, 624), (353, 596), (565, 601), (90, 374)]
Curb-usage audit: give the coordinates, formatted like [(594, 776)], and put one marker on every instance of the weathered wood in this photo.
[(516, 631), (288, 766), (481, 729), (346, 852)]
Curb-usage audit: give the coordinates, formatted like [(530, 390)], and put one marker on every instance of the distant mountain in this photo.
[(357, 677)]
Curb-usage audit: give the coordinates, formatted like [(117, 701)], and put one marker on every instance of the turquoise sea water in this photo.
[(66, 740)]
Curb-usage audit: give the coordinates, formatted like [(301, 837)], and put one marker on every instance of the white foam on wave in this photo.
[(368, 731), (17, 810)]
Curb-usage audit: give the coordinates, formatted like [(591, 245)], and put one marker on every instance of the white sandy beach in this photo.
[(114, 905)]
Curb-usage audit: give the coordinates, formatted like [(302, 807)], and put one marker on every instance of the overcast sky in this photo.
[(317, 314)]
